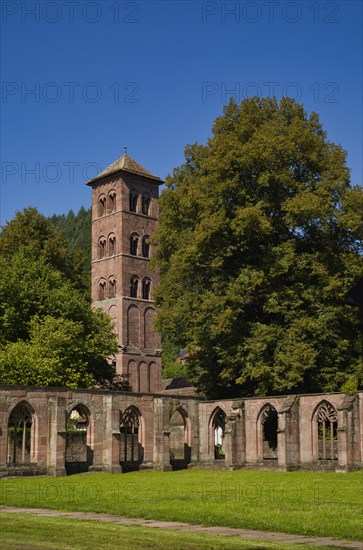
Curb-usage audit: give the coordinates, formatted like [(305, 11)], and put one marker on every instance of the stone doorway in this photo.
[(180, 447), (79, 455)]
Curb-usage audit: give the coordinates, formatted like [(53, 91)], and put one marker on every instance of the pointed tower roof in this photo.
[(126, 164)]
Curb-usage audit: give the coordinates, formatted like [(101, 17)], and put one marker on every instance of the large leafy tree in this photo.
[(258, 243), (49, 334)]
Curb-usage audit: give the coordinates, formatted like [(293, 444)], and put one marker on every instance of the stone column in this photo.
[(345, 433), (161, 435), (230, 443)]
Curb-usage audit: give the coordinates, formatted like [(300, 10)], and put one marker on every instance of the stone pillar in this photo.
[(230, 441), (288, 434), (111, 437), (161, 436), (57, 436), (345, 433)]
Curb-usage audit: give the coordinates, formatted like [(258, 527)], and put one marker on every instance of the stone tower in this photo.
[(124, 216)]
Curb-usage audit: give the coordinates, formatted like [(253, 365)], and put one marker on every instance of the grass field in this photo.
[(315, 504), (43, 533)]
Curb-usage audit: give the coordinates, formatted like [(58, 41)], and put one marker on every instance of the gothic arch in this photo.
[(132, 439), (325, 432), (22, 441), (79, 438), (216, 429), (133, 326), (267, 426), (180, 438)]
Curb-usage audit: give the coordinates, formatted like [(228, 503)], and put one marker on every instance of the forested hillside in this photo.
[(77, 228)]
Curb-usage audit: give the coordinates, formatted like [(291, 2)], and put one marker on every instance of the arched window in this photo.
[(216, 433), (102, 290), (111, 202), (20, 434), (112, 287), (131, 450), (111, 245), (268, 420), (101, 206), (134, 286), (101, 248), (133, 201), (145, 247), (146, 288), (79, 455), (134, 244), (326, 426), (145, 207)]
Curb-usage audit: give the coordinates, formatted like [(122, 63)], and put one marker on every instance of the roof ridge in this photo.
[(126, 164)]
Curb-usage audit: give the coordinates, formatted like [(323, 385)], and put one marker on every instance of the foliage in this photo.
[(258, 243), (49, 334), (171, 369)]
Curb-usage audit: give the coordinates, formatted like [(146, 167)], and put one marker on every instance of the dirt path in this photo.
[(178, 526)]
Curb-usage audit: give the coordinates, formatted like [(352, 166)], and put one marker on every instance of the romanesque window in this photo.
[(102, 290), (101, 206), (133, 201), (145, 207), (112, 287), (134, 243), (134, 286), (326, 426), (20, 434), (101, 248), (145, 247), (111, 245), (146, 288), (111, 202)]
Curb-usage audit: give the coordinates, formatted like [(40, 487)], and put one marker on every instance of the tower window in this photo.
[(111, 245), (133, 202), (102, 290), (112, 287), (102, 206), (101, 248), (145, 247), (134, 243), (146, 286), (134, 286), (112, 202), (145, 205)]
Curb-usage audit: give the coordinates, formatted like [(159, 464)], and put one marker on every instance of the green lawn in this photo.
[(44, 533), (308, 503)]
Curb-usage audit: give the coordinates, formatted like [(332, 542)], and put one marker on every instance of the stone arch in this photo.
[(180, 438), (145, 204), (79, 439), (146, 288), (325, 432), (102, 289), (217, 426), (112, 287), (149, 333), (267, 427), (21, 434), (134, 244), (111, 201), (133, 200), (143, 377), (134, 286), (145, 246), (132, 439), (133, 326)]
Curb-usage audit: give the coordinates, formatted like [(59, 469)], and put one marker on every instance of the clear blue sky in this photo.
[(153, 76)]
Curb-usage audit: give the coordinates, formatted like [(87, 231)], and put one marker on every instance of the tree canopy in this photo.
[(259, 240), (49, 334)]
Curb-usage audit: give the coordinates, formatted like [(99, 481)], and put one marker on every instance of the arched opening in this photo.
[(79, 455), (21, 434), (101, 206), (180, 448), (145, 247), (134, 244), (145, 207), (112, 287), (133, 201), (134, 286), (101, 248), (217, 427), (111, 245), (326, 432), (268, 421), (146, 288), (111, 202), (102, 290), (131, 440)]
